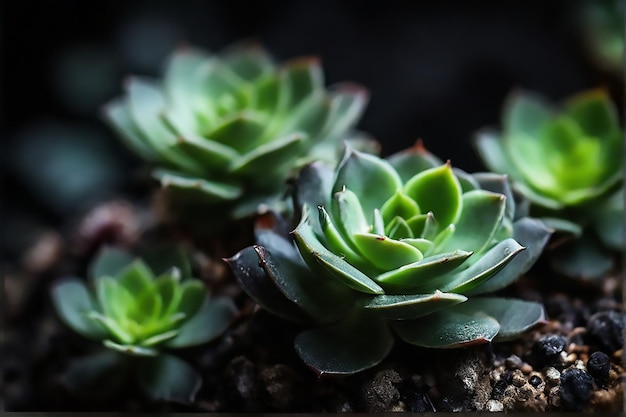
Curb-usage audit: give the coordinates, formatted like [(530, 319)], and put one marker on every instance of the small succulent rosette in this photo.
[(602, 28), (568, 163), (406, 245), (228, 129), (139, 316)]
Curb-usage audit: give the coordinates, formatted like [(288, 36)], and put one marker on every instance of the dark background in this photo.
[(435, 70)]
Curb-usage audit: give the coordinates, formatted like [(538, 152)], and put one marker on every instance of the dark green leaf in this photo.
[(413, 160), (109, 261), (410, 306), (209, 322), (354, 344), (169, 378), (448, 329), (72, 302)]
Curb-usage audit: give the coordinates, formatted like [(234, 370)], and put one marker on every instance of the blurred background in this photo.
[(435, 70)]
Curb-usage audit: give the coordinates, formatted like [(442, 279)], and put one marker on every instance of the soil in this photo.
[(574, 362)]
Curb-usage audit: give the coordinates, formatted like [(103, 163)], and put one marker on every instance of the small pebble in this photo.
[(547, 349), (606, 329), (518, 378), (535, 381), (599, 366), (494, 406), (553, 375), (513, 362), (526, 368), (576, 389)]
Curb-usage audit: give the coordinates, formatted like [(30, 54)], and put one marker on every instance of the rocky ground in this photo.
[(575, 362)]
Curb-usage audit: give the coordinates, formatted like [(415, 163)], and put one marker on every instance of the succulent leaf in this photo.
[(73, 302), (166, 377), (402, 307), (448, 329), (356, 343)]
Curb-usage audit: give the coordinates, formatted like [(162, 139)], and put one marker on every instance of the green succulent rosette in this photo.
[(602, 24), (568, 163), (404, 245), (136, 313), (228, 129)]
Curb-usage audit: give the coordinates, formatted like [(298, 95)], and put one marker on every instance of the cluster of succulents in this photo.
[(134, 312), (568, 163), (230, 128), (407, 243), (364, 249)]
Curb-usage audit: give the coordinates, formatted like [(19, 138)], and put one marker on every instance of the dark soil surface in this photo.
[(575, 362)]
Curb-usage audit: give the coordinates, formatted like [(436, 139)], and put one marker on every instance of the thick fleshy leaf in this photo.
[(72, 302), (113, 299), (249, 61), (135, 278), (109, 261), (101, 373), (147, 307), (402, 307), (533, 235), (314, 185), (480, 219), (158, 339), (167, 288), (358, 171), (582, 258), (526, 113), (213, 155), (537, 197), (515, 316), (304, 76), (117, 114), (563, 226), (609, 221), (193, 293), (112, 326), (323, 298), (440, 182), (146, 104), (273, 154), (211, 190), (398, 229), (240, 132), (467, 181), (490, 147), (421, 275), (486, 266), (386, 253), (448, 329), (209, 322), (411, 161), (349, 214), (347, 104), (594, 112), (162, 258), (399, 205), (356, 343), (259, 286), (316, 256), (336, 243), (168, 378), (309, 117), (497, 183)]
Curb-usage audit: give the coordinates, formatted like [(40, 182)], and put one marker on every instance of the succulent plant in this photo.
[(568, 163), (228, 129), (602, 24), (400, 245), (134, 312)]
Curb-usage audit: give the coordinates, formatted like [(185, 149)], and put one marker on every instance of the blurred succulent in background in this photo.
[(406, 243), (568, 163), (134, 312), (602, 24), (230, 128)]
